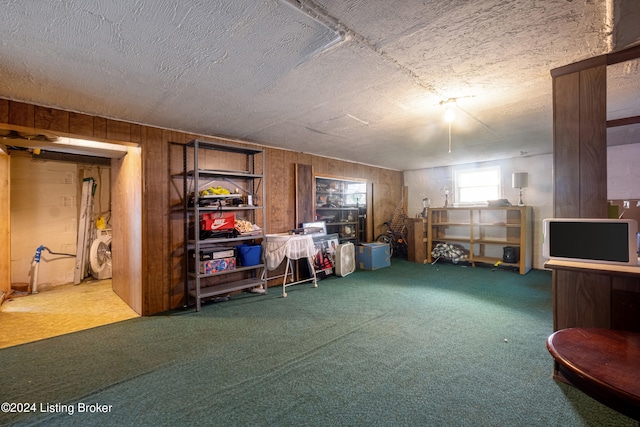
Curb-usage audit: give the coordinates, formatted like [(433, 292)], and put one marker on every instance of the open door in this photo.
[(5, 225), (126, 199)]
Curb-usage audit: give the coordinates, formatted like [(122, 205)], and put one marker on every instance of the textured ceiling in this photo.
[(361, 80)]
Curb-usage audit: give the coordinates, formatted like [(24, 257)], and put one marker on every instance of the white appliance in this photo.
[(596, 240), (100, 256), (345, 259)]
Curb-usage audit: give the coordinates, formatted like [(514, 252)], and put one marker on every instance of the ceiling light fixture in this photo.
[(40, 141), (449, 115), (450, 106), (74, 142)]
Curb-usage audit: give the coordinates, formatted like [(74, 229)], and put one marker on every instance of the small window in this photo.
[(474, 186), (356, 194)]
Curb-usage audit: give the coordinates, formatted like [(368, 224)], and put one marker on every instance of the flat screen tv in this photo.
[(607, 241)]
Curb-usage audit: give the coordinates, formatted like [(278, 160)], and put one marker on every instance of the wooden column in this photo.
[(580, 140), (586, 297)]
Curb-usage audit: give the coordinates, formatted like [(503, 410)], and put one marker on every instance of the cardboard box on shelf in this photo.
[(217, 265), (217, 221)]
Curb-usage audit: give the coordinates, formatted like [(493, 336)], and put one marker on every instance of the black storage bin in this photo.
[(511, 254)]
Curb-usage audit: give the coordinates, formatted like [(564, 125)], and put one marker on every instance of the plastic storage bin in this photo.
[(249, 254)]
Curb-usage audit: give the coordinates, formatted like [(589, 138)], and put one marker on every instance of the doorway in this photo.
[(44, 211)]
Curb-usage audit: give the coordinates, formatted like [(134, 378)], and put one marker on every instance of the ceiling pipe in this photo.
[(608, 24)]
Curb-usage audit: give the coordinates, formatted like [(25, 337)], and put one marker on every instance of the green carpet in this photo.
[(432, 345)]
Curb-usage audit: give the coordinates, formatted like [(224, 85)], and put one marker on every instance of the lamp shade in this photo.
[(519, 180)]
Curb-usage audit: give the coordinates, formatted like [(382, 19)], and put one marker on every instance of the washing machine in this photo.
[(100, 256)]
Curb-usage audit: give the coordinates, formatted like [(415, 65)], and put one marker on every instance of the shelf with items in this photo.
[(417, 239), (341, 204), (343, 221), (492, 235), (223, 219)]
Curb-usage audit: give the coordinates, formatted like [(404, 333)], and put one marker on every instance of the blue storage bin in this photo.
[(249, 254), (372, 256)]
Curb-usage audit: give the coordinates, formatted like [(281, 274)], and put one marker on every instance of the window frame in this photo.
[(457, 177)]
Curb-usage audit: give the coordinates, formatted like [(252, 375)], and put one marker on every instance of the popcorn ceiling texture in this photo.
[(357, 80)]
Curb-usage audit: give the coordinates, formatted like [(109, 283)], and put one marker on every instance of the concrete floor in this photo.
[(60, 310)]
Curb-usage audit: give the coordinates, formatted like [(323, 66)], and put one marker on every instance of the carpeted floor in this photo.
[(412, 344)]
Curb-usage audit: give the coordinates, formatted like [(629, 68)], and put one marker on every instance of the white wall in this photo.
[(626, 32), (539, 193), (44, 211), (623, 182), (623, 172)]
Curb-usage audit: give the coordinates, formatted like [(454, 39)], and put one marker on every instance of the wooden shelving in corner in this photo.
[(483, 232)]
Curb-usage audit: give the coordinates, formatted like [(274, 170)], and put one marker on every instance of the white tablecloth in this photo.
[(293, 246)]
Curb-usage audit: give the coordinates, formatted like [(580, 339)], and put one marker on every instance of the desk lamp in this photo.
[(519, 180)]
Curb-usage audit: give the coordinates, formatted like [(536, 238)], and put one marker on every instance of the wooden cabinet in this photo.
[(341, 204), (587, 295), (417, 240), (484, 233), (223, 205)]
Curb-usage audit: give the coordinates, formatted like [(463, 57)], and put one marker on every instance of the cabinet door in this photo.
[(581, 300), (625, 303), (341, 204)]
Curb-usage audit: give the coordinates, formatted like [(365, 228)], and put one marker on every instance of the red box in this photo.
[(218, 221)]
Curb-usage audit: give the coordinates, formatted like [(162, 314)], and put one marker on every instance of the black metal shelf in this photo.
[(206, 285)]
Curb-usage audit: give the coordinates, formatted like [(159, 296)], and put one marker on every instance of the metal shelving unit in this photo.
[(239, 170)]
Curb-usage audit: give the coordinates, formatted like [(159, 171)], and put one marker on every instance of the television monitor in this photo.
[(606, 241)]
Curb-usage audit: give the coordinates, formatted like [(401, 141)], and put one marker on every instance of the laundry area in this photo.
[(61, 240)]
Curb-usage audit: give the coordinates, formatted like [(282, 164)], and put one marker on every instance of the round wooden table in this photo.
[(603, 363)]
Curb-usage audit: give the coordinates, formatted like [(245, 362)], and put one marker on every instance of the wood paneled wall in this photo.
[(305, 194), (161, 230)]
